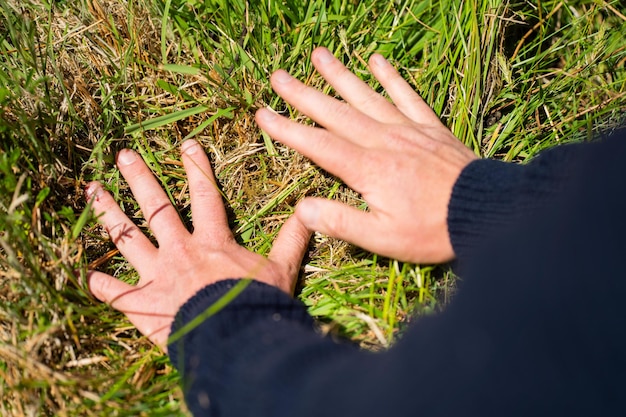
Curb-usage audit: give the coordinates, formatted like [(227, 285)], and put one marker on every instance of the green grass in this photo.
[(81, 80)]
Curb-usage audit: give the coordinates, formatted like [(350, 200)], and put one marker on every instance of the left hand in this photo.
[(184, 262)]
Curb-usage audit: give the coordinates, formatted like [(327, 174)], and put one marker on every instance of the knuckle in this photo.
[(178, 247), (137, 173), (101, 288), (396, 136), (205, 189), (218, 241), (340, 111), (154, 206), (412, 139), (336, 223), (371, 100), (324, 142)]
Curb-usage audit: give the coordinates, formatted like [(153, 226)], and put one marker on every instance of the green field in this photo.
[(80, 80)]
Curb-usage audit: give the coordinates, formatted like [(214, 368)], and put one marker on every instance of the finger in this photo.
[(128, 238), (157, 209), (336, 116), (335, 155), (354, 90), (402, 94), (338, 220), (131, 300), (108, 289), (207, 208), (289, 248)]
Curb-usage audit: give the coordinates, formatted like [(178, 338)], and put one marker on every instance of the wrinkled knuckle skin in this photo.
[(178, 247), (340, 111), (154, 207), (371, 100), (138, 174), (398, 137), (207, 191), (335, 223), (99, 288), (324, 142)]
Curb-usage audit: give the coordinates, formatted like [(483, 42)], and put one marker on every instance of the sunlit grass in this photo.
[(81, 80)]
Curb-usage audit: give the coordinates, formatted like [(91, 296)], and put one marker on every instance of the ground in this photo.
[(81, 80)]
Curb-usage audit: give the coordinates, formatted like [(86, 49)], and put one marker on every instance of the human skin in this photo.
[(398, 155), (184, 262)]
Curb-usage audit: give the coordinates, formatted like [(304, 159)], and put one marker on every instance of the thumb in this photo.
[(290, 246), (337, 220)]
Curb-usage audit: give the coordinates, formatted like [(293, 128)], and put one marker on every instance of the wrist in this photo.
[(482, 199)]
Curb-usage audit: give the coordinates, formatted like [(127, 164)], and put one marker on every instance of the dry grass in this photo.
[(510, 80)]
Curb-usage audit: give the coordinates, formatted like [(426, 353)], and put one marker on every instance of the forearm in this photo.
[(262, 356), (248, 359)]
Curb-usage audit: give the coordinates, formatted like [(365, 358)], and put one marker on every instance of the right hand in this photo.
[(400, 157)]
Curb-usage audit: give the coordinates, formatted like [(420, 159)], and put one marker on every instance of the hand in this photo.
[(400, 157), (184, 262)]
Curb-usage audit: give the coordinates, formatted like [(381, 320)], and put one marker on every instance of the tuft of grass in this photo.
[(81, 80)]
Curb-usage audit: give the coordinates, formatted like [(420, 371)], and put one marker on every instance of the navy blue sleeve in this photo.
[(536, 327), (490, 195), (237, 361)]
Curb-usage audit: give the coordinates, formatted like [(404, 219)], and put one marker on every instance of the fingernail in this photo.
[(267, 114), (308, 211), (282, 77), (126, 157), (324, 56), (190, 147), (92, 190), (379, 60)]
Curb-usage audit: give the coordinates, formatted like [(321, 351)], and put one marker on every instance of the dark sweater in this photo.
[(537, 327)]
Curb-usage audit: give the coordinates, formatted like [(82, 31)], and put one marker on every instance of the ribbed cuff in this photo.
[(255, 303), (482, 200), (490, 195)]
